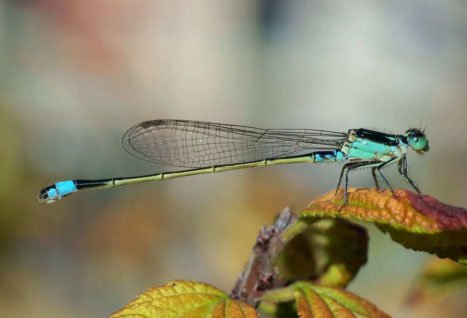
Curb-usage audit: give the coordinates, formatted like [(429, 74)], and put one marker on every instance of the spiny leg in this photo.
[(400, 165), (353, 167), (345, 166), (404, 167), (373, 172), (378, 168)]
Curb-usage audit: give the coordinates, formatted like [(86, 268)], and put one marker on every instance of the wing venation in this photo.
[(195, 144)]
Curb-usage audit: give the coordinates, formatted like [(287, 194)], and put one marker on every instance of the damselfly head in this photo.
[(416, 139)]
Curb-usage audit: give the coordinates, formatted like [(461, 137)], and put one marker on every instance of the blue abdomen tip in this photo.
[(65, 187)]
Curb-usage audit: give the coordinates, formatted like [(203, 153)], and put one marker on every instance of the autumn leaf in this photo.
[(419, 222), (179, 299), (313, 301)]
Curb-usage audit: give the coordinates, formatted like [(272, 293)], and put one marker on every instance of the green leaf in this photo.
[(313, 301), (419, 222), (185, 299), (328, 251)]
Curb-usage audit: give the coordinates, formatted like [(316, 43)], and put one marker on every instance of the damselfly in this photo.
[(211, 147)]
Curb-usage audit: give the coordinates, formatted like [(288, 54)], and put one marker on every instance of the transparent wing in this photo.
[(195, 144)]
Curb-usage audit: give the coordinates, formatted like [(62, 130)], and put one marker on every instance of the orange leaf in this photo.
[(319, 301), (315, 301), (179, 299), (416, 221)]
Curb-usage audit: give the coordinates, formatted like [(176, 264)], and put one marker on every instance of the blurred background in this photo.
[(75, 75)]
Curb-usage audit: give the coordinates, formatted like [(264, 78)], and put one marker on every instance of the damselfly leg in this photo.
[(349, 167), (375, 178), (403, 170), (378, 168)]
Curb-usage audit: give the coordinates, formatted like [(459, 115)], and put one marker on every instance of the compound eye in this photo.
[(418, 142)]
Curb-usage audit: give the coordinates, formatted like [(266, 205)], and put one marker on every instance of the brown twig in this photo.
[(259, 274)]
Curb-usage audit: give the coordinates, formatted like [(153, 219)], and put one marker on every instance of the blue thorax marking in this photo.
[(370, 145), (367, 149)]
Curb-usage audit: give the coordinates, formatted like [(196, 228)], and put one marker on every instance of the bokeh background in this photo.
[(75, 75)]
